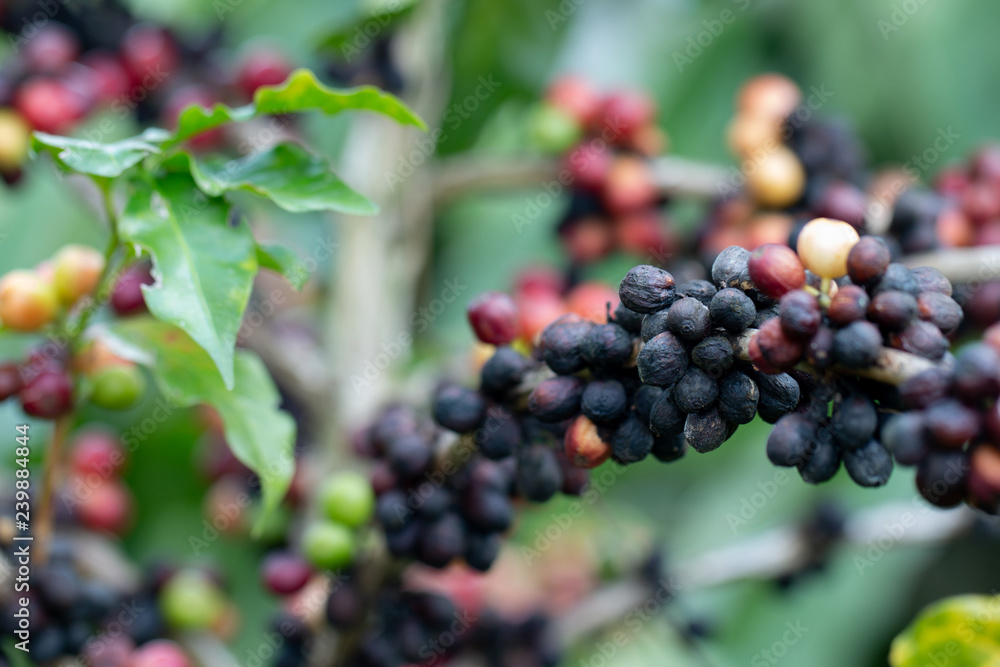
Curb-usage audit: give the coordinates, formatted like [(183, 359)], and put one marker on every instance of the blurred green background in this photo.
[(900, 70)]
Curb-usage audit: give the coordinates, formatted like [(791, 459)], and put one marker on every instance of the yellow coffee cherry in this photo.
[(776, 179), (15, 139), (824, 244), (27, 303), (77, 271)]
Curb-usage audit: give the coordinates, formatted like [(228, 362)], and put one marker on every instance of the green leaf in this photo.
[(260, 435), (292, 177), (91, 157), (351, 37), (204, 268), (965, 628), (281, 260), (302, 91)]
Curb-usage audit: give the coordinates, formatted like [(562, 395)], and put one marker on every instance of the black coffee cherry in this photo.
[(849, 304), (697, 289), (628, 319), (713, 355), (800, 314), (646, 289), (733, 310), (409, 455), (459, 409), (892, 310), (696, 391), (486, 509), (631, 441), (904, 435), (897, 278), (499, 439), (705, 431), (925, 387), (977, 372), (644, 399), (345, 605), (392, 511), (940, 310), (930, 280), (779, 395), (869, 465), (654, 324), (853, 421), (823, 462), (47, 644), (604, 401), (738, 397), (442, 541), (791, 441), (857, 345), (665, 418), (819, 351), (539, 476), (689, 319), (482, 549), (403, 542), (503, 371), (607, 347), (950, 423), (663, 360), (431, 501), (868, 260), (765, 314), (562, 344), (942, 478), (732, 268), (669, 449), (557, 399)]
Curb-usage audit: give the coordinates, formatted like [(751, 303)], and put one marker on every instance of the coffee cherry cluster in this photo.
[(31, 299), (607, 141), (93, 492), (346, 503)]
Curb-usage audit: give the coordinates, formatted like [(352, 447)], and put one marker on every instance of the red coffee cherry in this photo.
[(588, 165), (97, 451), (53, 47), (49, 106), (776, 269), (48, 395), (494, 318), (849, 304), (106, 507), (150, 55), (584, 446), (624, 113), (126, 298), (576, 97), (285, 573), (262, 67)]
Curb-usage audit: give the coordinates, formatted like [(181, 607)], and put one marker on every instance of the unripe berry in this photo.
[(777, 180), (575, 96), (347, 498), (97, 452), (553, 129), (584, 446), (327, 545), (190, 600), (493, 317), (748, 133), (776, 269), (77, 270), (15, 140), (48, 395), (824, 245), (772, 95), (27, 303), (117, 386)]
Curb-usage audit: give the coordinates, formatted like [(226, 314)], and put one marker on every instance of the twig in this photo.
[(50, 474), (961, 265)]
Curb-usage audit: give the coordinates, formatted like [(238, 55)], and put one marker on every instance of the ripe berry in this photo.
[(51, 48), (493, 317), (48, 395), (106, 507), (849, 304), (791, 441), (442, 541), (777, 179), (459, 409), (800, 314), (868, 260), (977, 373), (126, 297), (697, 289), (112, 81), (159, 653), (409, 455), (588, 165), (607, 347), (892, 310), (604, 401), (503, 371), (631, 441), (738, 397), (486, 509), (10, 380), (562, 344), (823, 462), (646, 289), (584, 446), (97, 452), (624, 113), (951, 424), (696, 391), (940, 310), (819, 351), (689, 319), (931, 280), (824, 245), (869, 465), (776, 269), (899, 278), (148, 51), (262, 67), (925, 387), (48, 105), (942, 478), (662, 361), (557, 398), (905, 436), (857, 345), (706, 431), (733, 310), (732, 268), (284, 573), (327, 545), (577, 97), (922, 339), (347, 498), (27, 303), (853, 421), (778, 350), (714, 355), (539, 476), (117, 386), (669, 449)]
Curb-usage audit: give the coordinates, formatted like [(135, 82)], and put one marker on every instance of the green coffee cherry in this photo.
[(347, 498)]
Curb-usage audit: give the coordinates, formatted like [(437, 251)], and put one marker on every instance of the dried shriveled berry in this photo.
[(705, 431), (604, 401), (853, 421), (631, 441), (713, 355), (868, 260), (697, 289), (459, 409), (765, 314), (930, 279), (779, 395), (654, 324), (557, 398), (849, 304), (897, 278), (481, 550), (758, 359), (499, 437), (732, 268), (904, 435), (733, 310), (869, 465), (503, 371), (940, 310), (627, 318), (738, 397), (646, 289), (892, 310), (663, 360), (607, 347), (942, 478), (562, 344), (776, 270), (689, 319), (857, 345), (951, 424), (791, 440), (665, 417), (778, 349), (922, 339), (539, 475), (800, 314), (644, 399), (696, 391), (584, 446)]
